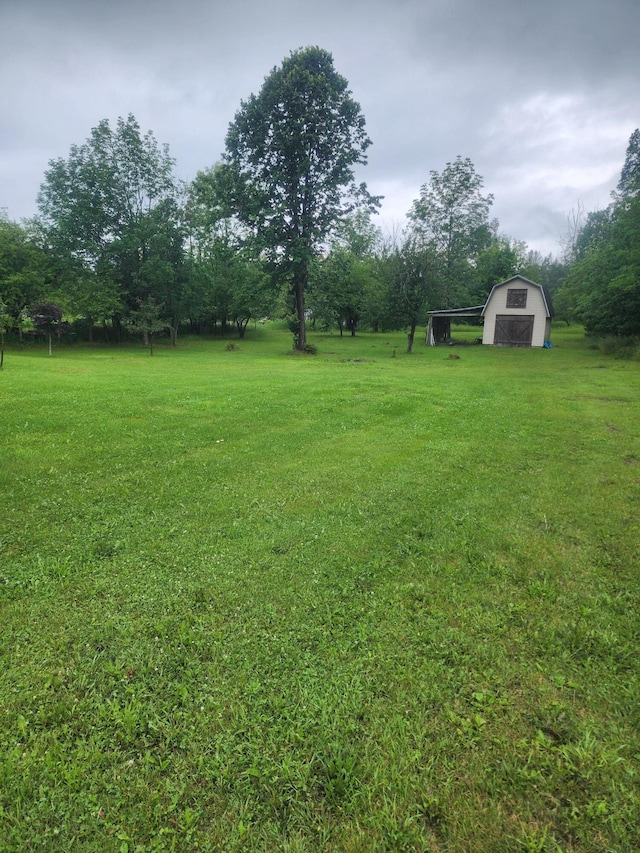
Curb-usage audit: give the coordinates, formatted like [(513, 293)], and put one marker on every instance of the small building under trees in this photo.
[(517, 313), (439, 326)]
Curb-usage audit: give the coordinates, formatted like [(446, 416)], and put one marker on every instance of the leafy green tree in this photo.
[(498, 261), (253, 295), (345, 288), (163, 272), (336, 291), (451, 219), (358, 234), (107, 207), (605, 283), (90, 296), (147, 320), (236, 285), (24, 270), (629, 183), (594, 230), (409, 270), (602, 288), (288, 170)]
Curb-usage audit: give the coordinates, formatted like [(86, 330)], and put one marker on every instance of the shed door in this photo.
[(513, 330)]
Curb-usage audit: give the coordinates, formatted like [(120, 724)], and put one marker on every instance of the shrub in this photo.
[(620, 346)]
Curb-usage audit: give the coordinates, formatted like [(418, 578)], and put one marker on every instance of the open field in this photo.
[(350, 602)]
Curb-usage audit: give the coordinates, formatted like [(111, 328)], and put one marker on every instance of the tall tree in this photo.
[(629, 183), (602, 288), (451, 218), (288, 169), (105, 204)]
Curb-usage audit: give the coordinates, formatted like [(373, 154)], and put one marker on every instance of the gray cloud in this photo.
[(543, 97)]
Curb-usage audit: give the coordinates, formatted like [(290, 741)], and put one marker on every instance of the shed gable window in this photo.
[(517, 297)]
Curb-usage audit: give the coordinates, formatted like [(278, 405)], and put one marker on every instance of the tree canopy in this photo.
[(288, 172), (112, 208), (603, 285), (281, 227), (451, 218)]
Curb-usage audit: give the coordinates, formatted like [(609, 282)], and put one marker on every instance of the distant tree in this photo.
[(602, 288), (93, 297), (105, 207), (147, 321), (288, 170), (498, 261), (358, 234), (24, 270), (547, 270), (253, 296), (163, 272), (450, 218), (346, 288), (409, 272), (336, 291), (629, 183), (47, 319), (595, 229)]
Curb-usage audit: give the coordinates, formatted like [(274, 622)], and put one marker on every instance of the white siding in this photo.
[(535, 306)]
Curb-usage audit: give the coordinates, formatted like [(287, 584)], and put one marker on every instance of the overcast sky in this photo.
[(542, 96)]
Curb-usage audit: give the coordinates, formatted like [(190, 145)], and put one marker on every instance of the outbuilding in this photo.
[(517, 313)]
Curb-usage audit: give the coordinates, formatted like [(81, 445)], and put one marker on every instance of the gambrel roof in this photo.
[(546, 297)]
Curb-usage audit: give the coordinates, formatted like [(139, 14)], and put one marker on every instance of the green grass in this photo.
[(351, 602)]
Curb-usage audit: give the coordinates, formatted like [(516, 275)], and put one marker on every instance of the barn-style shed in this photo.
[(517, 314)]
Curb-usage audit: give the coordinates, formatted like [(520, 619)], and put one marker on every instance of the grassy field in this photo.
[(361, 601)]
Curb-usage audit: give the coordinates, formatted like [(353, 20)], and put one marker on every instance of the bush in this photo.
[(620, 346)]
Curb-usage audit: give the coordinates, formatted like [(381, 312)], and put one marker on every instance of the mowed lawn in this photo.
[(360, 601)]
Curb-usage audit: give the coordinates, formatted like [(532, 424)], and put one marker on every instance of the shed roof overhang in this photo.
[(473, 311)]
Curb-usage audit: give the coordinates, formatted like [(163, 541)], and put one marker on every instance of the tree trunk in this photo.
[(50, 348), (410, 337), (299, 281), (173, 334), (116, 325)]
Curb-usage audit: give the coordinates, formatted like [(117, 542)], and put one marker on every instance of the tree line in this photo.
[(279, 227)]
